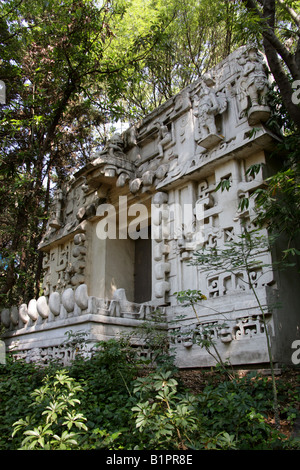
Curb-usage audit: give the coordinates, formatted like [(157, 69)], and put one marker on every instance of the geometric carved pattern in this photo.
[(244, 328)]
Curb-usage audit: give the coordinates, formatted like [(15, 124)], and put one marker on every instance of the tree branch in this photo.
[(268, 33), (291, 12), (57, 115), (282, 82)]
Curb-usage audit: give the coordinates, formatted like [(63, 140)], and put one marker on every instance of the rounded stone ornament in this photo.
[(23, 313), (14, 315), (135, 185), (5, 317), (81, 297), (42, 307), (77, 251), (161, 171), (160, 198), (54, 303), (32, 310), (148, 177), (68, 300)]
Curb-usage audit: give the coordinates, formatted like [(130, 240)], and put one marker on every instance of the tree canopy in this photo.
[(72, 66), (63, 63)]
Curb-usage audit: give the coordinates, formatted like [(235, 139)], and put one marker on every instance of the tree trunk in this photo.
[(275, 65), (282, 82), (274, 49)]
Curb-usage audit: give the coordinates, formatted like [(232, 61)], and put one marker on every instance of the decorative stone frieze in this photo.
[(241, 329), (72, 302)]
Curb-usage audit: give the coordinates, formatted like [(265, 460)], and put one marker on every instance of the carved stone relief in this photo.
[(207, 105), (240, 329), (252, 87), (64, 265), (160, 236)]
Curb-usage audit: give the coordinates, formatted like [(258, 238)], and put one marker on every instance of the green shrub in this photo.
[(55, 415), (107, 379), (167, 419), (240, 407), (17, 381), (121, 409)]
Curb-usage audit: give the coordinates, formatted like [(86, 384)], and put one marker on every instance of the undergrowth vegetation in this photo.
[(113, 401)]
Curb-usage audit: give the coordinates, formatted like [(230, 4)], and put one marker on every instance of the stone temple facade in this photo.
[(121, 233)]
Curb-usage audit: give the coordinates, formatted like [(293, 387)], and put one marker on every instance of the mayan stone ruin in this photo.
[(121, 233)]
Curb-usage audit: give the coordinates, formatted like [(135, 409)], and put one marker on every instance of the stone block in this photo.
[(161, 288)]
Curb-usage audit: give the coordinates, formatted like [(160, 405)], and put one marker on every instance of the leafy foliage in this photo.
[(17, 380), (109, 402), (278, 203), (197, 35), (192, 298), (65, 65), (154, 335), (52, 423), (237, 407)]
